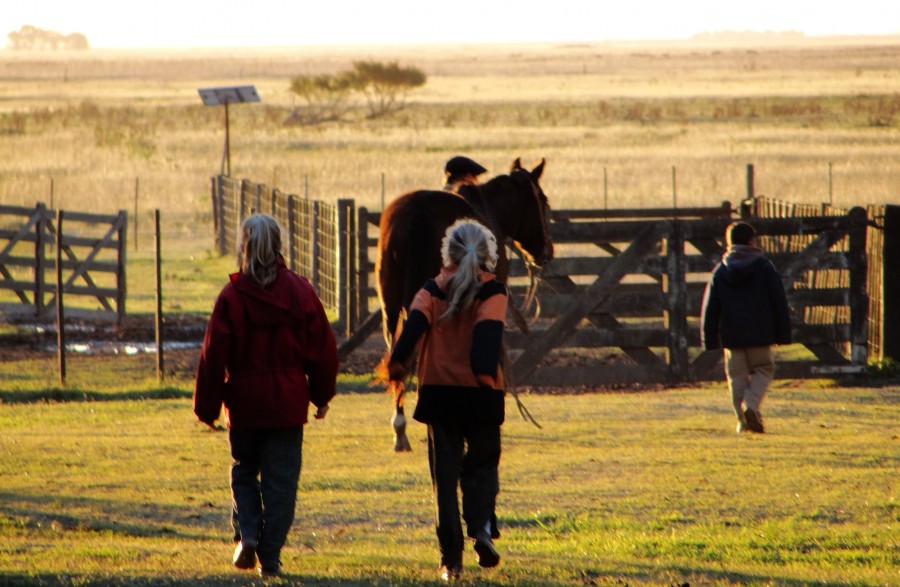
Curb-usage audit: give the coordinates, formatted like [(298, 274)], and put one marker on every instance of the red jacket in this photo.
[(267, 353)]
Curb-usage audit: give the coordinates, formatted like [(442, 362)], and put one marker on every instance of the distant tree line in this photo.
[(32, 38), (384, 87)]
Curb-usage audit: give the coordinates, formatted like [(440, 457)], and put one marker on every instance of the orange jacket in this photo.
[(459, 364)]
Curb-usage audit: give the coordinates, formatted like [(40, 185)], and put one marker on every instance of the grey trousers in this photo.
[(264, 478), (749, 371)]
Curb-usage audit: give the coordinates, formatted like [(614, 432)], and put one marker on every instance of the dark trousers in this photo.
[(465, 455), (264, 477)]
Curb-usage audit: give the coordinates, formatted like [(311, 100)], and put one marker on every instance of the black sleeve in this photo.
[(487, 344), (414, 327), (710, 314)]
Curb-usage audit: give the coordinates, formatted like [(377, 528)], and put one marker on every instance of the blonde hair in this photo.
[(470, 246), (260, 248)]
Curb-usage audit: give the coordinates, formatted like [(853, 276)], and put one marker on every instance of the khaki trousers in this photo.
[(749, 371)]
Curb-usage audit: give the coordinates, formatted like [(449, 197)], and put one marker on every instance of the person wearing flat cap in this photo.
[(459, 171)]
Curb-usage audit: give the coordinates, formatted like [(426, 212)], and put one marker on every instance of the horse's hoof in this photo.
[(401, 444)]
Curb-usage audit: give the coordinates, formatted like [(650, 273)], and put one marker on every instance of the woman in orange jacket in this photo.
[(459, 316)]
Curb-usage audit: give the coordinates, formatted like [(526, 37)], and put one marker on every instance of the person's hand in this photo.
[(484, 380), (320, 412), (396, 371)]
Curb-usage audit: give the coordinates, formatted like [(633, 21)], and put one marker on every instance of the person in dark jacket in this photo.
[(268, 352), (459, 316), (460, 171), (745, 310)]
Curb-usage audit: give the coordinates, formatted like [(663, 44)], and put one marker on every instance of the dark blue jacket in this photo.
[(744, 304)]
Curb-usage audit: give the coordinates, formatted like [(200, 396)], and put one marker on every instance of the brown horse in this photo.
[(513, 206)]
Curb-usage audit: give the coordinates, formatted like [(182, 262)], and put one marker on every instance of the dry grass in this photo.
[(94, 122)]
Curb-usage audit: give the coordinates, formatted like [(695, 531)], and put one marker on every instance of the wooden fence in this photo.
[(93, 252), (318, 236), (621, 301), (825, 278)]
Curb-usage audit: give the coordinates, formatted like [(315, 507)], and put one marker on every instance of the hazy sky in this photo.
[(210, 23)]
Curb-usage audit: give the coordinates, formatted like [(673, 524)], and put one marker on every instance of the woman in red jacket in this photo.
[(461, 315), (268, 352)]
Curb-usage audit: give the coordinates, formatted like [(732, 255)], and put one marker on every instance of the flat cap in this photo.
[(460, 165)]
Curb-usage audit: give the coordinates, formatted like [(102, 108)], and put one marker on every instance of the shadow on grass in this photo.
[(117, 517), (58, 395)]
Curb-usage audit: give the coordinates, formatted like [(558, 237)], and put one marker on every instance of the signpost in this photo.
[(223, 97)]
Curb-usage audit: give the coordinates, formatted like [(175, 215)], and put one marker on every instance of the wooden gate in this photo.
[(93, 262), (621, 301), (641, 296)]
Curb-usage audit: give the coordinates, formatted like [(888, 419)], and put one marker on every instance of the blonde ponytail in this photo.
[(260, 248), (470, 246)]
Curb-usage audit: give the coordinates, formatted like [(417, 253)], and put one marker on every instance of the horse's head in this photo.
[(532, 233)]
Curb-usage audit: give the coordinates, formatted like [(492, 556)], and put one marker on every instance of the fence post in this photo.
[(890, 264), (314, 245), (292, 232), (675, 315), (859, 297), (244, 185), (346, 265), (40, 262), (362, 270), (122, 223), (217, 210), (160, 356), (60, 317)]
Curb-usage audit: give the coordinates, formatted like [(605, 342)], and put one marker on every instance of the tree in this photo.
[(327, 97), (385, 85), (32, 38)]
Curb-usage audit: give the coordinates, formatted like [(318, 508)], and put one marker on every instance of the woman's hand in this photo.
[(320, 412), (396, 371), (484, 380)]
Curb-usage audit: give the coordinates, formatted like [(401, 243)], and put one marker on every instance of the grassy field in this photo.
[(113, 484), (111, 481)]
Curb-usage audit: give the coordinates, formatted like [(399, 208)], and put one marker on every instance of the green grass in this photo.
[(118, 484)]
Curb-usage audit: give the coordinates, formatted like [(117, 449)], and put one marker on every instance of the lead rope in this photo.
[(523, 410)]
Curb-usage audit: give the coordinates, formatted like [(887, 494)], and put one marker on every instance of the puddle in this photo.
[(101, 347)]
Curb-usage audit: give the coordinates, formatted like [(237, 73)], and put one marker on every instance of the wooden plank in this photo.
[(605, 321), (363, 331), (859, 297), (724, 210), (676, 301), (16, 210), (645, 243), (809, 258)]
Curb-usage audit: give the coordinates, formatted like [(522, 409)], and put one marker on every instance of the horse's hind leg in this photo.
[(401, 441)]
